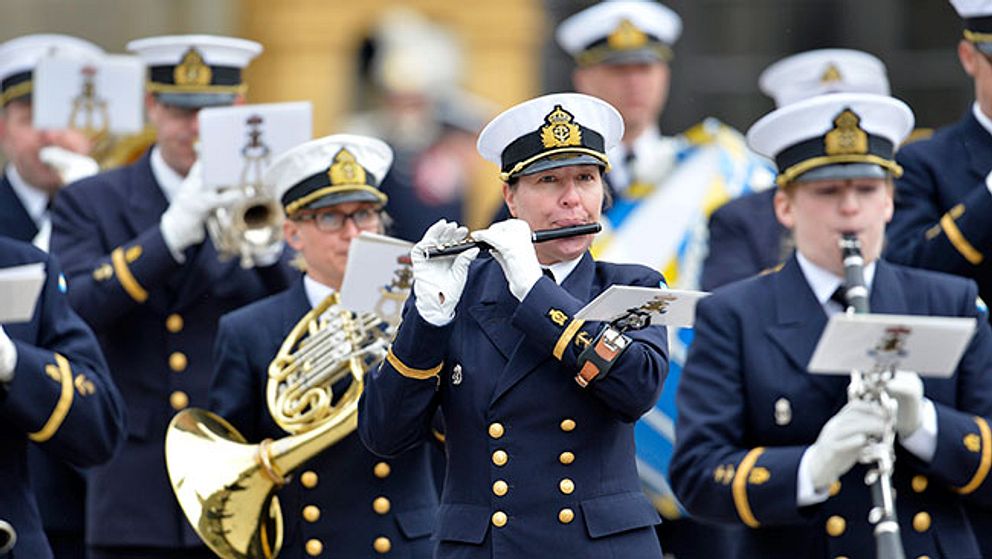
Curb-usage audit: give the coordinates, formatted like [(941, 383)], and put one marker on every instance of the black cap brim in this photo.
[(556, 162), (197, 100), (844, 171)]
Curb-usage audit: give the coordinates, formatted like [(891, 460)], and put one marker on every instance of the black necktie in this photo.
[(839, 297), (550, 275)]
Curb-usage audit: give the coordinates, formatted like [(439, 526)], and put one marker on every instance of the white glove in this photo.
[(8, 357), (263, 257), (182, 223), (839, 444), (514, 251), (70, 166), (907, 389), (438, 283)]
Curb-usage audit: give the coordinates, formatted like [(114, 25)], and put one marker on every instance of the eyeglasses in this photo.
[(327, 222)]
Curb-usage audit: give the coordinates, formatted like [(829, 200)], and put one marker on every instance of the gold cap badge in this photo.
[(346, 170), (626, 36), (192, 70), (847, 137), (560, 131), (831, 74)]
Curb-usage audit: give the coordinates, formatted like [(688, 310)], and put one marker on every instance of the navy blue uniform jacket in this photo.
[(735, 463), (537, 466), (357, 496), (15, 222), (61, 398), (156, 320), (942, 212), (745, 239)]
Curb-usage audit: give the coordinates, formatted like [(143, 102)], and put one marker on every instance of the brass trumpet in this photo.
[(250, 228), (231, 503)]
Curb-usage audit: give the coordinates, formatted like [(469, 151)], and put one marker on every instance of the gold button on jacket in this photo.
[(566, 458), (381, 470), (178, 400), (381, 505), (566, 515), (500, 457), (567, 425), (314, 547), (178, 361), (309, 479), (499, 519), (174, 323), (382, 545), (836, 525), (496, 430), (311, 513), (500, 488)]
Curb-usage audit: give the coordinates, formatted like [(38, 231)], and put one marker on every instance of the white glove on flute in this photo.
[(513, 249), (438, 283)]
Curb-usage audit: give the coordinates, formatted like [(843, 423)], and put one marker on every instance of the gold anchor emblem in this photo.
[(345, 169), (192, 70), (847, 137), (560, 130)]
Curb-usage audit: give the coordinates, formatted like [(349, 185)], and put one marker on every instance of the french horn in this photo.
[(230, 500)]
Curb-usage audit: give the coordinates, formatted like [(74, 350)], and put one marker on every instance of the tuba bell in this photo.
[(250, 228), (8, 537), (231, 503)]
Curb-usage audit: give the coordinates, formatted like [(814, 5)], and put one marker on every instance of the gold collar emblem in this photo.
[(192, 71), (831, 74), (847, 137), (560, 130), (626, 36), (346, 170)]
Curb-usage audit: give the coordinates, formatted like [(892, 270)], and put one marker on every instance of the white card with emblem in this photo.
[(668, 307)]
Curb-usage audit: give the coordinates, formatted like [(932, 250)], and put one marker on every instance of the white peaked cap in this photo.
[(323, 172), (522, 139), (816, 72), (848, 132)]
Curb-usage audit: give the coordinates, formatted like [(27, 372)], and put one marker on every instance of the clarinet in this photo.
[(870, 387)]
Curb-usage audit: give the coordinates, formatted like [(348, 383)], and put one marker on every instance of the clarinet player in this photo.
[(763, 443)]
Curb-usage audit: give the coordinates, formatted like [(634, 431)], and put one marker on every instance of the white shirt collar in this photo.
[(316, 291), (561, 270), (824, 282), (168, 180), (643, 147), (35, 201)]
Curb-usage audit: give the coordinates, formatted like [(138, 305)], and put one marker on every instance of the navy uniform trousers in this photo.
[(156, 320), (748, 410), (346, 500), (745, 239), (61, 398), (537, 466)]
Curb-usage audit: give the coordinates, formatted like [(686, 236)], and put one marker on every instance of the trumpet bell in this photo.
[(217, 498)]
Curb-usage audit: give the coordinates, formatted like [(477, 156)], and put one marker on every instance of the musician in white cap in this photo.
[(143, 274), (345, 502), (539, 414), (30, 180), (745, 237), (39, 164), (944, 196), (764, 444)]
